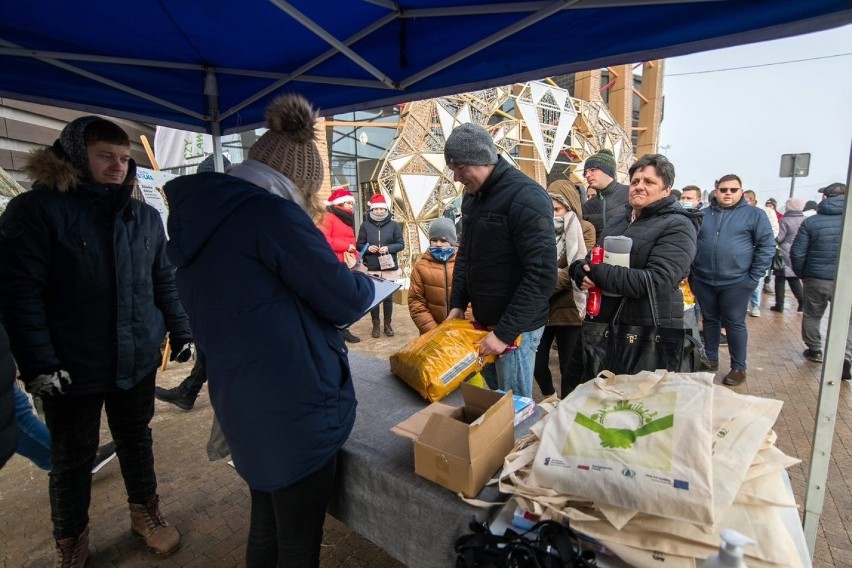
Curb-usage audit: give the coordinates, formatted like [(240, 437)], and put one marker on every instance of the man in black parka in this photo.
[(506, 265), (87, 294), (8, 427)]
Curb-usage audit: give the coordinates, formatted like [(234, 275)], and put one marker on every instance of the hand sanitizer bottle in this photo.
[(730, 552)]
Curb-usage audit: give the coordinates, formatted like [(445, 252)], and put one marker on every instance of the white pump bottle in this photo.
[(730, 552)]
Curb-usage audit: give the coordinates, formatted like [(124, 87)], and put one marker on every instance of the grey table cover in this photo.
[(378, 494)]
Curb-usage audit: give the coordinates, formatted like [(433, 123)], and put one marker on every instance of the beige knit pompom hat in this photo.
[(289, 145)]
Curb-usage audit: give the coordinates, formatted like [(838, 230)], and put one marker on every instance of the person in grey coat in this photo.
[(788, 228)]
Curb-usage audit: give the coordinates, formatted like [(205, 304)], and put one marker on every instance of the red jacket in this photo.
[(338, 234)]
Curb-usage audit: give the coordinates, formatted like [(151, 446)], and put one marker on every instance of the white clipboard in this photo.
[(381, 289)]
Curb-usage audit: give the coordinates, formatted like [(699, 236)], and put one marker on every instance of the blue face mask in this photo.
[(442, 253)]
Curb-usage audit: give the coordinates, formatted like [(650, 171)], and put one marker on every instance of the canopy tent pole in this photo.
[(341, 47), (211, 89), (313, 63), (830, 383), (530, 20)]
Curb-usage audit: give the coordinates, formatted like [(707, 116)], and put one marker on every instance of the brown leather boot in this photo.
[(146, 522), (377, 328), (735, 378), (388, 329), (72, 552)]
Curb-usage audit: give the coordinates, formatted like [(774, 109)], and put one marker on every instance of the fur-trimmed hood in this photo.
[(50, 168)]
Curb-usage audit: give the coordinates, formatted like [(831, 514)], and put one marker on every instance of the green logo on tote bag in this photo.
[(646, 423)]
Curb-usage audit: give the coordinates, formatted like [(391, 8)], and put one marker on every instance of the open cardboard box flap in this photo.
[(460, 448)]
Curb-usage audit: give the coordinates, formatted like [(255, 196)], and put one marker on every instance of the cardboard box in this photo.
[(401, 297), (462, 448)]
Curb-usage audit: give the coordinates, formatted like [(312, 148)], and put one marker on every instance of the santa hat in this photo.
[(378, 201), (340, 195)]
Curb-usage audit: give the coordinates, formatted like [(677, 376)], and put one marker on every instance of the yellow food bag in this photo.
[(477, 380), (438, 361), (688, 296)]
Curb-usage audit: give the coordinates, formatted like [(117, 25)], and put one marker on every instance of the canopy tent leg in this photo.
[(211, 89), (830, 383), (217, 152)]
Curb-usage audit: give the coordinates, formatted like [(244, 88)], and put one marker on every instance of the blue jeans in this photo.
[(515, 370), (725, 306), (33, 435), (755, 296)]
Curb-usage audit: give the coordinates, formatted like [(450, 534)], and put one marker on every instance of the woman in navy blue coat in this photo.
[(265, 292)]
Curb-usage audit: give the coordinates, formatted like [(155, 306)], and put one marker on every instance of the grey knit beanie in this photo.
[(443, 228), (603, 160), (470, 145)]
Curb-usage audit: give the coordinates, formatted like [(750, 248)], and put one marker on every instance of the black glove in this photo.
[(49, 384), (578, 272), (182, 350)]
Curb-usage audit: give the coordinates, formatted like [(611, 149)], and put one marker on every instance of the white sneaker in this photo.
[(231, 463), (755, 312)]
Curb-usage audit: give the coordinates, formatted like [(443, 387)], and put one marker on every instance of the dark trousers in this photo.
[(197, 376), (566, 336), (781, 289), (387, 306), (725, 306), (286, 525), (74, 423), (572, 373)]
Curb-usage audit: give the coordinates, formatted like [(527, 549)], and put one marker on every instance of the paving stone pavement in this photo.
[(209, 503)]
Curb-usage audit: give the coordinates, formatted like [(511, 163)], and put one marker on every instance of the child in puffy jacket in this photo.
[(432, 277)]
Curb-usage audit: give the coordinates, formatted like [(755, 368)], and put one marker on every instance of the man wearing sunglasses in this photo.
[(735, 248)]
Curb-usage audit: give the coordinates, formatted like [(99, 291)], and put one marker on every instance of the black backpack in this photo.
[(548, 544)]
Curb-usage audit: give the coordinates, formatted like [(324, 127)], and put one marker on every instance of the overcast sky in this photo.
[(741, 121)]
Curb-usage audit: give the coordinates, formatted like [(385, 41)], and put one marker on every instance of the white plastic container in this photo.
[(730, 552)]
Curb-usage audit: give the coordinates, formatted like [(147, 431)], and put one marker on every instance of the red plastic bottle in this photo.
[(593, 303)]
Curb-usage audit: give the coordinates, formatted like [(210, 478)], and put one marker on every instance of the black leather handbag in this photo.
[(778, 263), (629, 349)]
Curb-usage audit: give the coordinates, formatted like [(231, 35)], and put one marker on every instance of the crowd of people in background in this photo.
[(89, 288)]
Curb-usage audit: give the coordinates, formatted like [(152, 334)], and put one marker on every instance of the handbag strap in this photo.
[(652, 297), (652, 300)]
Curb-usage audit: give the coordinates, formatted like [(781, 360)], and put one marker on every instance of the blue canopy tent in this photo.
[(213, 66)]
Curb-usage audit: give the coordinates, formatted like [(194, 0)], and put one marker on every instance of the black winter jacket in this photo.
[(817, 245), (663, 247), (609, 203), (8, 425), (381, 233), (506, 265), (85, 284)]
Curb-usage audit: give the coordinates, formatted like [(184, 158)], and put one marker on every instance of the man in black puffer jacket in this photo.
[(87, 294), (814, 258), (8, 427), (610, 200), (506, 266), (663, 247)]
